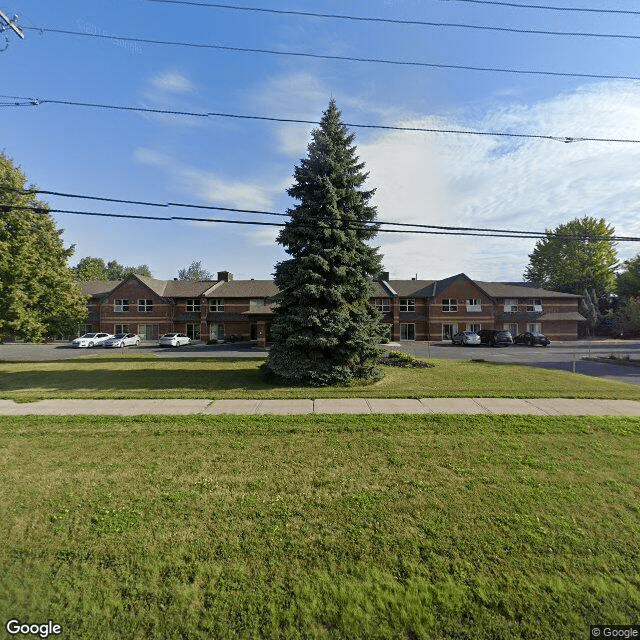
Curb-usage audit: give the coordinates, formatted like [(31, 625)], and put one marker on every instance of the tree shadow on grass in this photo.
[(123, 382)]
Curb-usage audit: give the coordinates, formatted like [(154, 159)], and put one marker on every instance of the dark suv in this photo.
[(494, 338)]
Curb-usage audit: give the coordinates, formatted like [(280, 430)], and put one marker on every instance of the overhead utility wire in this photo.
[(319, 56), (545, 7), (36, 102), (373, 226), (420, 23), (264, 213), (454, 230)]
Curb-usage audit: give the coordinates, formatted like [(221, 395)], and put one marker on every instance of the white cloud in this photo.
[(507, 183), (172, 82)]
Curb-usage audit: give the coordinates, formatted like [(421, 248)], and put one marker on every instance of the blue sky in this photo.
[(422, 178)]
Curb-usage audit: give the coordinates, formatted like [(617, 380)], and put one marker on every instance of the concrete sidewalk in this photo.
[(488, 406)]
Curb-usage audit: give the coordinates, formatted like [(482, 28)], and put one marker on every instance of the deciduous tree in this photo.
[(195, 271), (38, 294), (324, 331), (90, 268), (575, 256)]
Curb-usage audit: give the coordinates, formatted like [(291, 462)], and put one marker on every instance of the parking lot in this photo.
[(566, 356)]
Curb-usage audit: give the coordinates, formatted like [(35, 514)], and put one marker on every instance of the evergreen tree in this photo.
[(38, 294), (324, 331)]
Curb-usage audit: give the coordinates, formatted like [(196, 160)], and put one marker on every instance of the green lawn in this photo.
[(374, 527), (140, 376)]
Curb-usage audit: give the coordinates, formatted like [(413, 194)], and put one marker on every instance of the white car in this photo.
[(123, 340), (174, 340), (89, 340)]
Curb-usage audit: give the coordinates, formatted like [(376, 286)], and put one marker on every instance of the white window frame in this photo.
[(475, 327), (121, 305), (216, 304), (404, 328), (534, 327), (474, 305), (407, 304), (145, 305), (534, 304), (121, 328), (155, 331), (382, 304), (449, 305), (509, 326), (192, 305), (510, 305)]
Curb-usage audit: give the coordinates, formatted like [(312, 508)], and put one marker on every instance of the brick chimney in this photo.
[(225, 276), (384, 276)]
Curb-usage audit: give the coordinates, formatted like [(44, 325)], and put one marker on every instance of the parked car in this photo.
[(531, 338), (123, 340), (174, 340), (494, 337), (89, 340), (466, 338)]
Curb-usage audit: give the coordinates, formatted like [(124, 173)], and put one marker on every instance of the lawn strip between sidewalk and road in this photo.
[(137, 376), (320, 526)]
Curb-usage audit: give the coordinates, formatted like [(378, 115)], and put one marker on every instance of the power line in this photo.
[(420, 23), (318, 56), (35, 102), (544, 7), (375, 225)]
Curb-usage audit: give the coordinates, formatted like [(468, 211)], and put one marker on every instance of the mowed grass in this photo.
[(140, 376), (375, 527)]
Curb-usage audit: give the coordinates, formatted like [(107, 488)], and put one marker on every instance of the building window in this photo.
[(474, 305), (474, 327), (193, 305), (407, 332), (258, 304), (193, 331), (510, 305), (120, 306), (407, 304), (449, 330), (534, 304), (120, 328), (382, 304), (511, 328), (216, 331), (534, 327), (148, 331), (449, 305), (145, 306), (216, 304)]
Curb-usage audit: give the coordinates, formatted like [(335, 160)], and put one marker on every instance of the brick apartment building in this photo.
[(414, 309)]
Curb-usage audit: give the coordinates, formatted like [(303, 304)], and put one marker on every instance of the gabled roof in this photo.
[(509, 290), (244, 289), (444, 284), (187, 288), (98, 288), (412, 288)]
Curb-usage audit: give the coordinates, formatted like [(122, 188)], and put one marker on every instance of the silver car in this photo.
[(466, 338), (123, 340)]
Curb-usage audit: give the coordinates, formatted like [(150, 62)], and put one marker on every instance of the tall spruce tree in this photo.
[(324, 331)]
